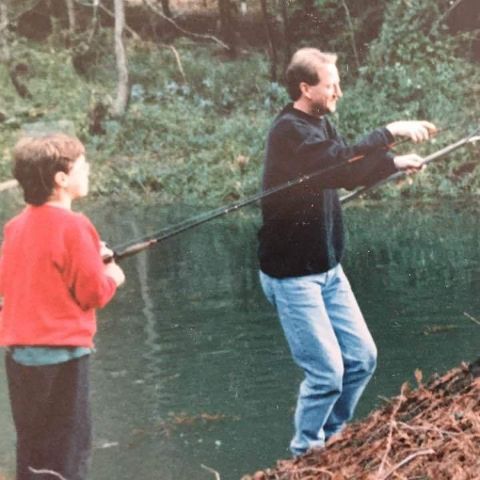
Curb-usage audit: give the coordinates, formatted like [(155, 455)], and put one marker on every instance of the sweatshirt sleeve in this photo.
[(316, 151), (2, 267), (85, 276), (1, 272)]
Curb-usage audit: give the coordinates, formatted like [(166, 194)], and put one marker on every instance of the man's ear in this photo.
[(305, 89), (60, 179)]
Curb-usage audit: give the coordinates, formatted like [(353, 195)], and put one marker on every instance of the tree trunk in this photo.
[(272, 49), (120, 104), (166, 8), (4, 44), (15, 69), (352, 34), (72, 22), (287, 47), (226, 26)]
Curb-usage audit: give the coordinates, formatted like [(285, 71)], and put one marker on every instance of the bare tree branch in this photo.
[(271, 41), (136, 36), (286, 33), (155, 9), (46, 472), (4, 47), (93, 23), (352, 33), (211, 470), (428, 451), (472, 318), (177, 59), (11, 18), (7, 184), (96, 4), (125, 26), (166, 8), (71, 15), (227, 29), (25, 10), (450, 9)]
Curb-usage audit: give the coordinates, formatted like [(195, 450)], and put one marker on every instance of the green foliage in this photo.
[(415, 70), (325, 24), (193, 130), (196, 123), (58, 93)]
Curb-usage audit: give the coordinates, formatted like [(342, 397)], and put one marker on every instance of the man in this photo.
[(302, 242)]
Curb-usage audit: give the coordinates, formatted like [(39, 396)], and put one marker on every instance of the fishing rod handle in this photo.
[(133, 249), (428, 159)]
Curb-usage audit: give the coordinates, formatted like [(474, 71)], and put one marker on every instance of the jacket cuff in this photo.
[(388, 134), (390, 164)]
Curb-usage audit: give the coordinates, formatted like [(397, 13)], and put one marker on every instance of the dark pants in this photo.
[(51, 411)]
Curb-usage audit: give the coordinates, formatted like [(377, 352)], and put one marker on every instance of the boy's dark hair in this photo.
[(303, 68), (38, 159)]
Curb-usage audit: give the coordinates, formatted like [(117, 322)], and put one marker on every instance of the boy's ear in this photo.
[(60, 179)]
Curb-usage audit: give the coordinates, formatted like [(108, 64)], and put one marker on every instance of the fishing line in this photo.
[(131, 248), (474, 136)]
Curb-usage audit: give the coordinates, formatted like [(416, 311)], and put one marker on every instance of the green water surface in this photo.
[(192, 368)]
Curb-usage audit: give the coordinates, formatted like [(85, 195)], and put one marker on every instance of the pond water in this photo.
[(192, 368)]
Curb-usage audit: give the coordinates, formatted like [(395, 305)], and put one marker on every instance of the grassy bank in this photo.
[(192, 133), (196, 124)]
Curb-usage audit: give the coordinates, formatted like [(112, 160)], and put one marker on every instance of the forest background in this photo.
[(173, 99)]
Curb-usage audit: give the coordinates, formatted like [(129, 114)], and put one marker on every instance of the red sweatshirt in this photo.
[(51, 279)]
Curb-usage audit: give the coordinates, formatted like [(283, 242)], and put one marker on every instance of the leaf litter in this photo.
[(430, 433)]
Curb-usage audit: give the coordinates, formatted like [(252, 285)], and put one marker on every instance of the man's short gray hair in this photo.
[(303, 68)]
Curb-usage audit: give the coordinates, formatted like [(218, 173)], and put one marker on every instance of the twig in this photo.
[(130, 30), (28, 9), (427, 429), (392, 425), (446, 13), (473, 319), (8, 184), (211, 470), (137, 36), (178, 60), (352, 33), (314, 470), (46, 472), (406, 460), (182, 30)]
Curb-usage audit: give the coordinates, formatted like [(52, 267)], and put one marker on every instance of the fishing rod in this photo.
[(132, 248), (473, 137)]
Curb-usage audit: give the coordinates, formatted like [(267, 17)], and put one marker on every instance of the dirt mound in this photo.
[(431, 433)]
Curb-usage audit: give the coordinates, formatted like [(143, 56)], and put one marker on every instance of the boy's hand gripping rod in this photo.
[(132, 248)]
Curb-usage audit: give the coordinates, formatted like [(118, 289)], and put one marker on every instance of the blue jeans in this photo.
[(330, 341)]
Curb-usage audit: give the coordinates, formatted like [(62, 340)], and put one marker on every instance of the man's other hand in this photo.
[(409, 163), (416, 130)]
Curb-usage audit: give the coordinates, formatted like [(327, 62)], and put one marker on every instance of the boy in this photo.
[(51, 279)]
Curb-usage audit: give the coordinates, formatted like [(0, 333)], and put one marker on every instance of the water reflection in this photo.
[(192, 367)]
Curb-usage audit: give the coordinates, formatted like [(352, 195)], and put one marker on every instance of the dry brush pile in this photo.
[(431, 433)]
